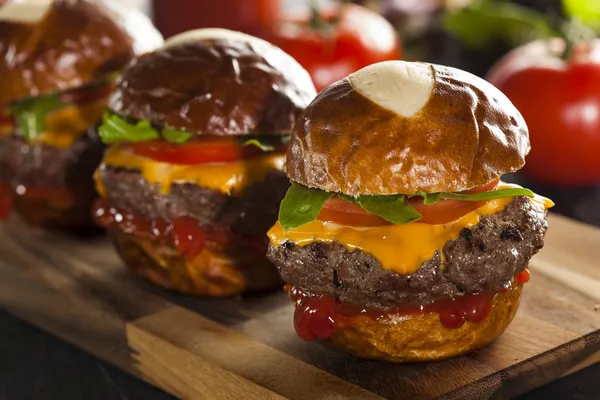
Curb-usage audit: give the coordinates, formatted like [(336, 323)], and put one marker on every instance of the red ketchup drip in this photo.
[(523, 277), (6, 200), (185, 233), (317, 317)]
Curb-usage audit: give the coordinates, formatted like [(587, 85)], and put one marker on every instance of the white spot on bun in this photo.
[(399, 86), (199, 35), (24, 11)]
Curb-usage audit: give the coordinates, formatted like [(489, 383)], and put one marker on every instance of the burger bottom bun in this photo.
[(424, 338), (65, 209), (212, 274)]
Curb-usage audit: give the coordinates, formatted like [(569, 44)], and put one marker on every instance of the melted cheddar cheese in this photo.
[(400, 248), (228, 178), (65, 126)]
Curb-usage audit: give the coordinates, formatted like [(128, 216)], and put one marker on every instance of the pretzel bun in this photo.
[(215, 82), (48, 46), (402, 127), (423, 338)]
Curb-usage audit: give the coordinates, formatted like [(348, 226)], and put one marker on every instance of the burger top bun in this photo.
[(48, 46), (215, 82), (400, 127)]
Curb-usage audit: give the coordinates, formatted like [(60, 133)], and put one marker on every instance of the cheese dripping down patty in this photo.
[(229, 178)]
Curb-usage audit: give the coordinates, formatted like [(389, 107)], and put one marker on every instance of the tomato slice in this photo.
[(344, 212), (200, 151)]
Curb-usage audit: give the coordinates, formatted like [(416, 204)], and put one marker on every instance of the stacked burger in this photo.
[(397, 238), (57, 63), (193, 176)]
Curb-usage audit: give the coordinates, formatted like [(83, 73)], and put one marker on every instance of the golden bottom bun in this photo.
[(424, 338), (228, 272), (68, 208)]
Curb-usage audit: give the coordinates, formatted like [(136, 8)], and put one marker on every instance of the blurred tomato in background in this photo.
[(559, 98), (175, 16), (332, 42)]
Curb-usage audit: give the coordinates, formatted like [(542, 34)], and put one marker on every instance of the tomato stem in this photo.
[(574, 33)]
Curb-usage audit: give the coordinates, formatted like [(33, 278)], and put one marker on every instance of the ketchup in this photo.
[(318, 317), (186, 234)]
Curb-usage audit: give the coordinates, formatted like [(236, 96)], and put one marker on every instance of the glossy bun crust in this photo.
[(424, 338), (76, 42), (464, 134), (223, 83)]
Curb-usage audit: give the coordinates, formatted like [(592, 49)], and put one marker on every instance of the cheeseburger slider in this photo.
[(193, 176), (397, 238), (57, 61)]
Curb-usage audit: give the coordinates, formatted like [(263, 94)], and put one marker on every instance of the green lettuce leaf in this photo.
[(484, 21), (301, 205), (491, 195), (30, 114), (390, 208), (265, 142), (259, 144), (115, 129), (176, 136)]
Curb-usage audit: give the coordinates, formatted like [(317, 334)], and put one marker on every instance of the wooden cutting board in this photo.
[(246, 348)]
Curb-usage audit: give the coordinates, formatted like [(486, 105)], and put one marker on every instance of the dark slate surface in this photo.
[(35, 365)]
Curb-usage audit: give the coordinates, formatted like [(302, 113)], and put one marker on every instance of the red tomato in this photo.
[(210, 150), (344, 212), (361, 37), (560, 101)]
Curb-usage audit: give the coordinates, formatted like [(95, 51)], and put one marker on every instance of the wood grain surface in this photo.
[(246, 347)]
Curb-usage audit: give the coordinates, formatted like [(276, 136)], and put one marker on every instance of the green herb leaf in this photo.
[(301, 205), (257, 143), (31, 114), (429, 198), (176, 136), (115, 129), (485, 21), (491, 195), (390, 208)]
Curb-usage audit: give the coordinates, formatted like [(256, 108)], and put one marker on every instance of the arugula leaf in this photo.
[(301, 205), (115, 129), (31, 114), (390, 208), (262, 146), (491, 195), (176, 136), (429, 198)]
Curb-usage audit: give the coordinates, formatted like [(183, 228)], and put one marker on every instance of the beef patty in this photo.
[(484, 258), (252, 213), (45, 166)]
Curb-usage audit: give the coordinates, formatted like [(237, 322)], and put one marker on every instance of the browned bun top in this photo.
[(48, 46), (215, 82), (400, 128)]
